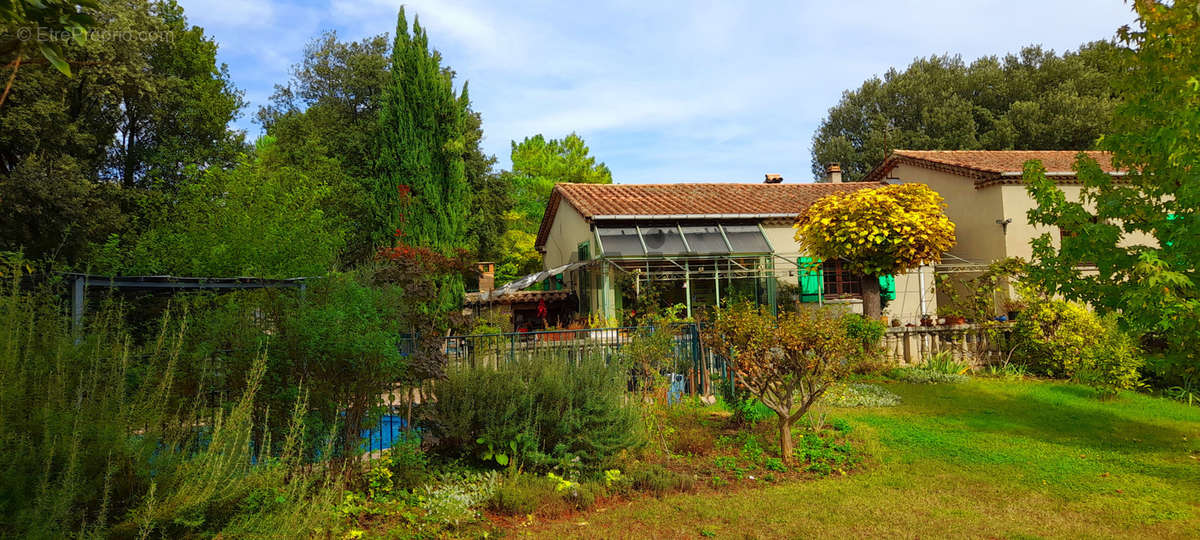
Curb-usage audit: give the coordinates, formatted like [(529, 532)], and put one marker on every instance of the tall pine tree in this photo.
[(421, 194)]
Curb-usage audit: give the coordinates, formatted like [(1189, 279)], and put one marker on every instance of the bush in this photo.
[(1067, 340), (925, 376), (867, 335), (536, 414), (524, 494), (944, 362), (738, 400), (658, 480), (861, 395)]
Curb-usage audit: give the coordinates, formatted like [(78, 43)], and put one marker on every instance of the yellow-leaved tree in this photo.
[(877, 232)]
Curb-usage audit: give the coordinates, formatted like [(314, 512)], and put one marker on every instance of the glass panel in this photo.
[(705, 239), (663, 240), (620, 241), (746, 239)]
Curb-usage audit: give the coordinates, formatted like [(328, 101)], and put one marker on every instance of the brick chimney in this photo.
[(773, 179), (833, 173), (487, 276)]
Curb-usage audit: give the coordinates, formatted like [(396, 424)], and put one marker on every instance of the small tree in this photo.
[(787, 362), (877, 232), (1141, 230)]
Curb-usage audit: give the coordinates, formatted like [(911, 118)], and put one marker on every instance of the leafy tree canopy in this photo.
[(144, 104), (421, 193), (1032, 100), (880, 231), (261, 218), (1140, 230), (538, 164)]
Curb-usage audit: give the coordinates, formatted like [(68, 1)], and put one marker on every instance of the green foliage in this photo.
[(421, 195), (1140, 231), (786, 361), (944, 362), (58, 16), (539, 413), (658, 480), (738, 400), (538, 164), (861, 395), (128, 445), (339, 343), (262, 218), (1065, 339), (983, 292), (1032, 100), (918, 375), (867, 335), (877, 232), (824, 454), (78, 154)]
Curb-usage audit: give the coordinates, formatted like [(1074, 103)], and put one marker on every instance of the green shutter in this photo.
[(887, 287), (585, 251), (812, 279)]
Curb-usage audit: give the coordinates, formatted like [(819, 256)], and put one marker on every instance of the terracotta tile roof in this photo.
[(716, 199), (521, 297), (987, 165)]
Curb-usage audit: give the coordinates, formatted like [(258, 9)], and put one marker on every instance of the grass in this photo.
[(988, 458)]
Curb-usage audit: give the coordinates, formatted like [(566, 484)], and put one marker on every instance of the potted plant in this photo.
[(1013, 307)]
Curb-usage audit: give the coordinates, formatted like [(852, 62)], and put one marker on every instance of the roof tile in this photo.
[(727, 199), (984, 164)]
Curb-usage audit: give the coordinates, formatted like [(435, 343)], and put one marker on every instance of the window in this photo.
[(663, 240), (839, 280), (620, 241), (746, 239), (705, 239)]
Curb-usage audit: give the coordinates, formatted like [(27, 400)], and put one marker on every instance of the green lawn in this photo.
[(984, 459)]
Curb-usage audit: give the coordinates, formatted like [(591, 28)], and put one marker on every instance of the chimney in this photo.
[(833, 173), (773, 179), (487, 276)]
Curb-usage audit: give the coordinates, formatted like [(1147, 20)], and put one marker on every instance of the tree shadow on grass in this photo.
[(986, 423), (1055, 412)]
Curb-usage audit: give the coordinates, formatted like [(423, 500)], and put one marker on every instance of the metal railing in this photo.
[(689, 358)]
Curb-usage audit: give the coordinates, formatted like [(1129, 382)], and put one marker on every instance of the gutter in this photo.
[(1018, 174), (613, 217)]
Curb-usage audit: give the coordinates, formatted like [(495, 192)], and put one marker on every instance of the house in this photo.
[(986, 198), (700, 244)]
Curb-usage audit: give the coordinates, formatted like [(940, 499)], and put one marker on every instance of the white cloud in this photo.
[(675, 90)]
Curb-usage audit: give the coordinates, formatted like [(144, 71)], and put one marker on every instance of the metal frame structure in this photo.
[(80, 282)]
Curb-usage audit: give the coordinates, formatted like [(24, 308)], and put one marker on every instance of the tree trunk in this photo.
[(785, 439), (872, 304)]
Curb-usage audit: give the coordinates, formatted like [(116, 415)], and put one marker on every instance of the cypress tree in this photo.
[(421, 196)]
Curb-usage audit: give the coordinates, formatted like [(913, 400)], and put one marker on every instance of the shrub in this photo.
[(523, 494), (861, 395), (409, 466), (658, 480), (737, 399), (786, 361), (867, 335), (925, 376), (1067, 340), (944, 362), (536, 413)]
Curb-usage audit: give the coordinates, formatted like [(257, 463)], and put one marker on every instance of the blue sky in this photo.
[(661, 91)]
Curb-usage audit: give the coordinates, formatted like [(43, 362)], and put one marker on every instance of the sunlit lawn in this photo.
[(985, 459)]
